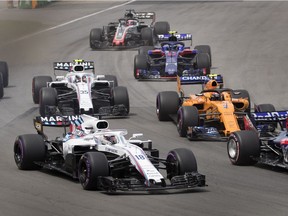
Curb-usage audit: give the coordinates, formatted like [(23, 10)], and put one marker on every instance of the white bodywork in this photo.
[(95, 138), (82, 83)]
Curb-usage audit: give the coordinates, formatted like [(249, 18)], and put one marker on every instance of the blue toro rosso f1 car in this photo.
[(267, 145), (172, 58)]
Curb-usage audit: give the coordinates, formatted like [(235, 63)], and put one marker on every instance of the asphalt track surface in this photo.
[(249, 43)]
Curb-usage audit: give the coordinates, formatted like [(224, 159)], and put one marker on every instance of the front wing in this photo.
[(188, 180)]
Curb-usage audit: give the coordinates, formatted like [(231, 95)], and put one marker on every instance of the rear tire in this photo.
[(112, 78), (162, 27), (119, 96), (39, 82), (5, 73), (147, 36), (187, 116), (48, 97), (95, 35), (28, 149), (1, 86), (140, 62), (243, 147), (91, 166), (267, 108), (167, 103), (180, 161)]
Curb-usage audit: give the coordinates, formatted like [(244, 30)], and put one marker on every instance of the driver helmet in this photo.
[(77, 79), (84, 79), (131, 22), (111, 138)]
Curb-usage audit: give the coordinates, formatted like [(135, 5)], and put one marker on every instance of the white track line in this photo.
[(67, 23)]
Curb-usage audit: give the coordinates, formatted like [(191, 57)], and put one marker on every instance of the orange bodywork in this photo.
[(221, 109)]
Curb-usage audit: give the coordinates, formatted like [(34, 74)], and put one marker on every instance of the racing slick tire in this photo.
[(140, 62), (267, 108), (28, 149), (243, 147), (203, 62), (162, 27), (111, 78), (147, 36), (91, 166), (39, 82), (187, 116), (144, 49), (48, 97), (1, 86), (95, 35), (180, 161), (205, 49), (5, 73), (167, 103), (242, 93), (119, 96)]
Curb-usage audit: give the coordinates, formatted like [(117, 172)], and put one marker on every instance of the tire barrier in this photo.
[(32, 4)]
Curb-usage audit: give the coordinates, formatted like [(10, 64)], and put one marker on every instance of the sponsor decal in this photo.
[(280, 115), (114, 151)]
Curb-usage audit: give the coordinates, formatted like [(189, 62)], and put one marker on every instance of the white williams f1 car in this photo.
[(79, 91), (104, 159)]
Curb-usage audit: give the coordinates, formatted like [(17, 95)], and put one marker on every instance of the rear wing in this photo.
[(191, 80), (280, 117), (180, 37), (145, 15), (56, 121), (270, 116), (65, 66)]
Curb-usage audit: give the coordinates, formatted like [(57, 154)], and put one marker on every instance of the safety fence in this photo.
[(27, 4)]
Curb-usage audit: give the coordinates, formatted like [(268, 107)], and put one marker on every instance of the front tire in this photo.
[(5, 73), (203, 61), (140, 63), (48, 97), (243, 147), (205, 49), (180, 161), (187, 116), (91, 166), (28, 149), (167, 104)]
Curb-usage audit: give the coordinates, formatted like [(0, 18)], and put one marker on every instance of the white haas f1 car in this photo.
[(79, 91), (104, 159), (130, 31)]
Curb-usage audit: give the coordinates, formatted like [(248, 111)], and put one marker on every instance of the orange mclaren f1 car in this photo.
[(214, 113)]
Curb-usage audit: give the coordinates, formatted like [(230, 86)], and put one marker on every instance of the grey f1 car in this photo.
[(104, 159)]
